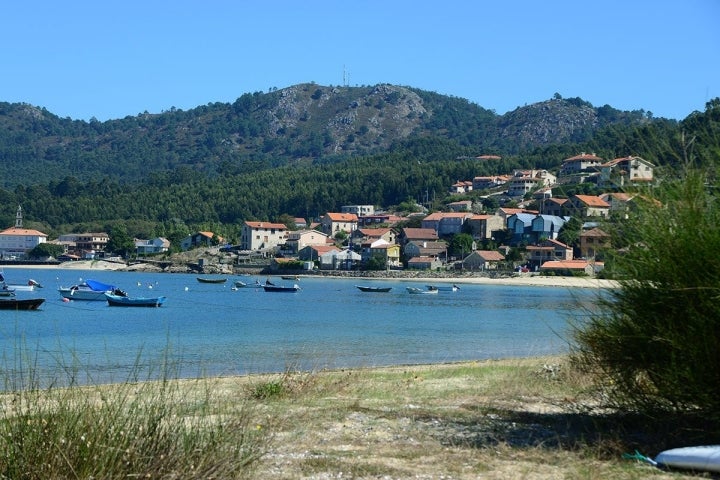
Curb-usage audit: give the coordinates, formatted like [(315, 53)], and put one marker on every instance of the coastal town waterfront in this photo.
[(215, 329)]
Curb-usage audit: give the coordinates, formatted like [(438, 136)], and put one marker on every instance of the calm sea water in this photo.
[(211, 329)]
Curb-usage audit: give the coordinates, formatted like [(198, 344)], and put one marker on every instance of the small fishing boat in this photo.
[(290, 277), (241, 284), (271, 287), (421, 291), (120, 301), (90, 290), (30, 286), (365, 288), (445, 288), (20, 303), (211, 280)]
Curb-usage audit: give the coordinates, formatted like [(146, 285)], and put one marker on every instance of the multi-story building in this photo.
[(262, 235)]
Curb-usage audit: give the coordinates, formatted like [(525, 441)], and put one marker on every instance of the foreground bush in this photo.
[(655, 342), (160, 429)]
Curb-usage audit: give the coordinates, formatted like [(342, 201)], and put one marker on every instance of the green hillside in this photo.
[(300, 151)]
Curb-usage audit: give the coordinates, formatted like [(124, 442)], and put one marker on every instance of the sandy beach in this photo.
[(527, 279)]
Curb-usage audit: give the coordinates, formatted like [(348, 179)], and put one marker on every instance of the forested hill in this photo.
[(300, 125)]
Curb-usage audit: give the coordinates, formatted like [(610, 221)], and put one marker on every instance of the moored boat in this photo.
[(211, 280), (241, 284), (421, 291), (365, 288), (120, 301), (90, 290), (445, 288), (21, 287), (270, 287), (20, 303)]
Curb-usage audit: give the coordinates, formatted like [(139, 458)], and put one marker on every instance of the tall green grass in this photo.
[(159, 428)]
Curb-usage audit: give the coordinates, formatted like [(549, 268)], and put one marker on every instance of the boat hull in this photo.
[(281, 288), (21, 303), (79, 294), (119, 301), (363, 288), (420, 291), (211, 280)]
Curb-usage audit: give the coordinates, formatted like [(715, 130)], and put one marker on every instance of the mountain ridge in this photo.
[(301, 124)]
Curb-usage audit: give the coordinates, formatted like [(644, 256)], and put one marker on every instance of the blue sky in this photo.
[(110, 59)]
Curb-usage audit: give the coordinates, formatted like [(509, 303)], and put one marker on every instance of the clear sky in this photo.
[(109, 59)]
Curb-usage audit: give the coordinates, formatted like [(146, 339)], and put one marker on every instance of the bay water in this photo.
[(214, 329)]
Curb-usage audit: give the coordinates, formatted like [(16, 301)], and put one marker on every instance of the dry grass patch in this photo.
[(519, 418)]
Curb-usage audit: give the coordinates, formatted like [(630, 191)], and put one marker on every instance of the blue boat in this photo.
[(120, 301)]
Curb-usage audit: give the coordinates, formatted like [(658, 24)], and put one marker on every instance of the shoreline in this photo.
[(523, 280)]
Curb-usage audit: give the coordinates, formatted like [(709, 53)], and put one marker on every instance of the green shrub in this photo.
[(655, 341)]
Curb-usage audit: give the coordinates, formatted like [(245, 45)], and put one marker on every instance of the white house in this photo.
[(262, 235), (16, 242), (333, 223), (299, 239), (156, 245)]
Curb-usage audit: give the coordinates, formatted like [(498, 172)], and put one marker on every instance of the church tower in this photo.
[(18, 217)]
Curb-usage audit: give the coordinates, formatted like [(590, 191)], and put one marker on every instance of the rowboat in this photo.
[(120, 301), (211, 280), (421, 291), (364, 288), (20, 303), (281, 288)]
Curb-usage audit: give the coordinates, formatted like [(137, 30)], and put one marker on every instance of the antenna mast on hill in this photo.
[(346, 77)]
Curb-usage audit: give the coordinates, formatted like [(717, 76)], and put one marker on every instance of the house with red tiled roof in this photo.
[(582, 206), (571, 267), (583, 163), (299, 239), (461, 186), (426, 249), (625, 171), (446, 223), (526, 181), (199, 239), (424, 263), (16, 242), (548, 250), (504, 212), (333, 223), (482, 227), (552, 206), (487, 183), (312, 253), (262, 235), (417, 235), (483, 260), (369, 235)]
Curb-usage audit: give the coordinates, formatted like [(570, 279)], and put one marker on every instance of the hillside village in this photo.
[(523, 237)]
